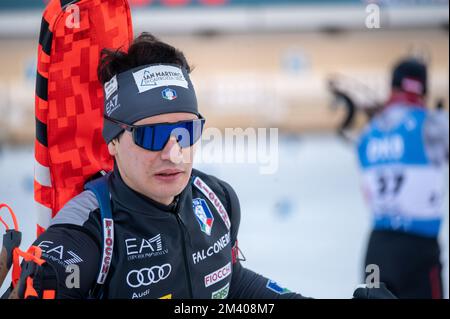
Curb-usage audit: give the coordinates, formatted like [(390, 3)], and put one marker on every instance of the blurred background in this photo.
[(261, 63)]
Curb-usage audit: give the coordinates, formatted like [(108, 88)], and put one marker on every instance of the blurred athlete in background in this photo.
[(403, 152)]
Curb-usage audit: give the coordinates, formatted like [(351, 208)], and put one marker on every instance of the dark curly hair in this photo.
[(145, 49)]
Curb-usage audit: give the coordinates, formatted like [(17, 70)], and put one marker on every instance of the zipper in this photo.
[(186, 264)]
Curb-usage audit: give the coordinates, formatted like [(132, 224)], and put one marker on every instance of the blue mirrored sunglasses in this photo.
[(154, 137)]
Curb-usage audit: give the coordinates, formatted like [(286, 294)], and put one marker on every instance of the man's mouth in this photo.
[(168, 175)]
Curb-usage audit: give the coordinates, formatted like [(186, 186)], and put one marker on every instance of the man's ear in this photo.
[(112, 147)]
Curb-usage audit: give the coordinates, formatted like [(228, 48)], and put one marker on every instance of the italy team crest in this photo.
[(203, 214)]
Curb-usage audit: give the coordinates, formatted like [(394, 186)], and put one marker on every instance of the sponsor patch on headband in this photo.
[(111, 87), (159, 75)]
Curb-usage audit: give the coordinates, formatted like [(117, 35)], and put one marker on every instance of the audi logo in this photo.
[(148, 276)]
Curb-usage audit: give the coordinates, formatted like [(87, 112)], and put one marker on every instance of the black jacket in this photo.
[(184, 250)]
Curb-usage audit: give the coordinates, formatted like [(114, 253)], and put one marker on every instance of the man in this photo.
[(403, 152), (161, 229)]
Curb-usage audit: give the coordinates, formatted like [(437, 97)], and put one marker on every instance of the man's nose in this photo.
[(172, 151)]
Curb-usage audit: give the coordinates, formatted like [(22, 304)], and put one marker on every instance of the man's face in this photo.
[(159, 175)]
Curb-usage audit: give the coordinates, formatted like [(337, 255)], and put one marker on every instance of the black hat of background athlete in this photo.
[(410, 75), (146, 91)]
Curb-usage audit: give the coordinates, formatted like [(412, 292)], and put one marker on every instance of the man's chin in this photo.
[(169, 188)]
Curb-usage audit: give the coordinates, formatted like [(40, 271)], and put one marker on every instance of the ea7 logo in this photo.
[(112, 105), (68, 257), (135, 246)]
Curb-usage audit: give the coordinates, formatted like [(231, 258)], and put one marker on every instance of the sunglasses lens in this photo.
[(155, 137), (143, 137), (162, 135), (188, 133)]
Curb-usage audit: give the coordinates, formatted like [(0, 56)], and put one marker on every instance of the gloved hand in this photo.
[(34, 278), (363, 292)]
